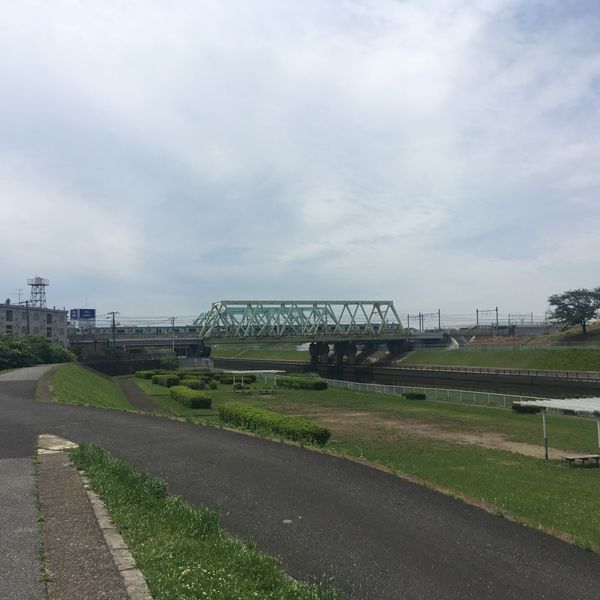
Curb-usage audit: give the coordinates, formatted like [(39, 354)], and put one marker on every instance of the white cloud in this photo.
[(355, 148)]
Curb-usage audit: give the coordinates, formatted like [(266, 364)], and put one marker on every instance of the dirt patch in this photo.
[(343, 421)]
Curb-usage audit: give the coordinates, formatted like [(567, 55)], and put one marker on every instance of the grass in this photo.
[(567, 433), (74, 384), (262, 350), (575, 359), (181, 550), (543, 494)]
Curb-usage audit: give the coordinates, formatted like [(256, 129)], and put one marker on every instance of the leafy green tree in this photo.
[(31, 350), (576, 307)]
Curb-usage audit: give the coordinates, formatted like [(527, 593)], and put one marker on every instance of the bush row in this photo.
[(293, 428), (166, 380), (302, 383), (523, 408), (415, 396), (190, 398), (145, 374), (199, 384)]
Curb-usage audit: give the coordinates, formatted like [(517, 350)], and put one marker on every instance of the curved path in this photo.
[(375, 535)]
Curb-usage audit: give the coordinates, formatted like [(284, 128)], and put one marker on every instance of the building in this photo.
[(22, 320)]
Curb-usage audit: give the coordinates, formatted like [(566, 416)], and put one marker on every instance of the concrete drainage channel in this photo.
[(86, 557)]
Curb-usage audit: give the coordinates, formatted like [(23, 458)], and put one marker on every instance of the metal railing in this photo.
[(580, 375), (441, 394)]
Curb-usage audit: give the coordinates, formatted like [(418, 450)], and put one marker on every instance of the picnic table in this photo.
[(583, 458)]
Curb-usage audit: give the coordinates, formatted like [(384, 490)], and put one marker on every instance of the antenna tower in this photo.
[(38, 291)]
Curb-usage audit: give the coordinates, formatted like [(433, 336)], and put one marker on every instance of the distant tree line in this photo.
[(29, 351), (576, 307)]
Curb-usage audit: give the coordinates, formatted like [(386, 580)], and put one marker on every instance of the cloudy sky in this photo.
[(156, 157)]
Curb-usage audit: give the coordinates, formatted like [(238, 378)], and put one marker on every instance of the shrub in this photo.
[(144, 374), (29, 351), (415, 396), (190, 398), (226, 379), (166, 380), (212, 385), (257, 419), (302, 383), (524, 408), (194, 384), (169, 363)]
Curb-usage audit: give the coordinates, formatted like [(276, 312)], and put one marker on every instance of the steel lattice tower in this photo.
[(38, 291)]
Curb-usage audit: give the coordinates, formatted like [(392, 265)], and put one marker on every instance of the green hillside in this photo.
[(571, 359)]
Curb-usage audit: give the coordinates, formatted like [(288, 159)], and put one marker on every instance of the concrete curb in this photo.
[(134, 581)]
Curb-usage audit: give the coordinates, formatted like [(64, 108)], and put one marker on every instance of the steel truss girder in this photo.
[(299, 319)]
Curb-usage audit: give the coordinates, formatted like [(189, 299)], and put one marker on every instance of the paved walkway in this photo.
[(20, 571), (138, 399), (77, 555), (375, 535)]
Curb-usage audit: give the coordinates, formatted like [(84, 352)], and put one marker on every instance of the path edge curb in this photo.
[(135, 583)]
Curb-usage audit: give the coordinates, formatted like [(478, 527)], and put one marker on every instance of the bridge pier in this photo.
[(344, 350), (319, 352)]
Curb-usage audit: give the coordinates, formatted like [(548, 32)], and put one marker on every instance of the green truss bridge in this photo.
[(350, 326), (300, 321)]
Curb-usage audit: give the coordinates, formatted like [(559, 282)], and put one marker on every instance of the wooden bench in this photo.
[(584, 458)]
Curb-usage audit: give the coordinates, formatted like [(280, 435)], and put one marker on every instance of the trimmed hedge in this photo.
[(302, 383), (166, 380), (194, 384), (415, 396), (144, 374), (257, 419), (190, 398), (525, 409)]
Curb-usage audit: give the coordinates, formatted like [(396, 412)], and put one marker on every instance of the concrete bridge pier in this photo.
[(319, 352), (344, 352)]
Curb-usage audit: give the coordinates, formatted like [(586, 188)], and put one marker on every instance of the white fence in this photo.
[(446, 395)]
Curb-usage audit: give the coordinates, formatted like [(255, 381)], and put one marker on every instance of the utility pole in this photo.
[(439, 320), (477, 316), (497, 324), (27, 313), (173, 334), (19, 293), (114, 330)]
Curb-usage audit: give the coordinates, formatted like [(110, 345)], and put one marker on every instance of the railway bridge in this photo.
[(348, 325)]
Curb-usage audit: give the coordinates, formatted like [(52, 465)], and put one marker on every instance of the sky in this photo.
[(157, 157)]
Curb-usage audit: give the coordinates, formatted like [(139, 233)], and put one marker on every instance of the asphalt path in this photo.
[(374, 535)]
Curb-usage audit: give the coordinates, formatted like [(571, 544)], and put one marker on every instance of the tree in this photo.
[(576, 307)]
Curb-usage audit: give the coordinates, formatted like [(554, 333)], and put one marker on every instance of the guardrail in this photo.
[(570, 375), (441, 394), (579, 375)]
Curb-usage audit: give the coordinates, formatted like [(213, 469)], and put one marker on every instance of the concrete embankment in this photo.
[(517, 381)]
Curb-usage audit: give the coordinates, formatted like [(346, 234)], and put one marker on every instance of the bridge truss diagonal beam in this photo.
[(303, 320)]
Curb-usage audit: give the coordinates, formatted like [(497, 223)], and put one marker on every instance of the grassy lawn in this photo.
[(75, 384), (575, 359), (265, 350), (567, 433), (543, 494), (182, 551)]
